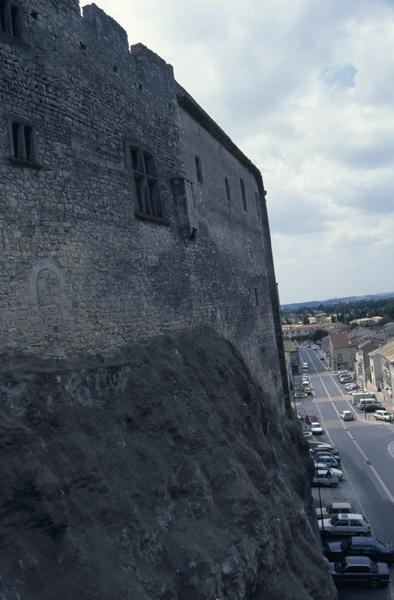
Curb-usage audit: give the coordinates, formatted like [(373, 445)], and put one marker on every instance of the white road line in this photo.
[(357, 445), (332, 444)]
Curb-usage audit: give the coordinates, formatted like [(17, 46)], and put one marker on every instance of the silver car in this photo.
[(325, 477), (345, 524), (335, 508)]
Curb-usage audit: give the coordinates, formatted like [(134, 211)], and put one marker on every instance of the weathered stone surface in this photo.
[(79, 272), (162, 472)]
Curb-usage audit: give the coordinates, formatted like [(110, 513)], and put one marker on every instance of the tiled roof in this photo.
[(341, 340), (387, 351)]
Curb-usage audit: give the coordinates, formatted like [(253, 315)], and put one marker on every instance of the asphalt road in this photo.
[(367, 453)]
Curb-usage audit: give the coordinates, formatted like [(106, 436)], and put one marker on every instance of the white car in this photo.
[(316, 428), (335, 508), (337, 472), (347, 524), (347, 415), (383, 415)]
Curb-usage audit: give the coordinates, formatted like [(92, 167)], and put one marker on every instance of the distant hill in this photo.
[(333, 301)]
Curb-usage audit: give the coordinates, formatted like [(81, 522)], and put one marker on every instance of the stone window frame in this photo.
[(145, 177), (11, 22), (243, 194), (26, 154), (199, 169)]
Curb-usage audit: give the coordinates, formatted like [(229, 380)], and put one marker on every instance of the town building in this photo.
[(341, 351), (362, 368), (382, 371)]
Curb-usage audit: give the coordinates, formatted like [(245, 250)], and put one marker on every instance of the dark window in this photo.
[(146, 183), (200, 177), (243, 194), (256, 296), (258, 208), (23, 142), (228, 190), (10, 18)]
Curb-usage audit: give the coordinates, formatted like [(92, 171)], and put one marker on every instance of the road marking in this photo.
[(357, 445), (390, 448)]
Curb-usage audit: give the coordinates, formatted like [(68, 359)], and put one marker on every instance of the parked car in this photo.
[(337, 472), (316, 428), (327, 460), (347, 415), (320, 455), (307, 434), (345, 524), (360, 569), (325, 478), (371, 408), (340, 373), (315, 445), (350, 387), (334, 508), (346, 379), (359, 546), (383, 415)]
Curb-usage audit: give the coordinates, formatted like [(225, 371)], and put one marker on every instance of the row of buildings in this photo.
[(367, 352)]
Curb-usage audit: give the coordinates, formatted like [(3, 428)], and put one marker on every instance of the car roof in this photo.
[(346, 411), (341, 505), (350, 516), (362, 541), (358, 560)]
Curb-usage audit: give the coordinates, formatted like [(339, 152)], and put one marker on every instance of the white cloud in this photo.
[(305, 88)]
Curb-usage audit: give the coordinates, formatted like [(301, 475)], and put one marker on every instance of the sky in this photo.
[(306, 89)]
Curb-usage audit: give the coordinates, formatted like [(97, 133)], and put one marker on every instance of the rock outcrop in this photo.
[(161, 473)]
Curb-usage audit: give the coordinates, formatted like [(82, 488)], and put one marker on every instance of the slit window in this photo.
[(199, 173), (256, 297), (23, 142), (243, 194), (228, 190), (10, 18), (146, 184), (258, 208)]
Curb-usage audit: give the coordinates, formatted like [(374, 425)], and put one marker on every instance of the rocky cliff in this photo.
[(161, 473)]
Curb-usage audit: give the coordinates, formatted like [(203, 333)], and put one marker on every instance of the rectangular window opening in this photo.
[(228, 190), (256, 297), (243, 194), (146, 184), (200, 177), (10, 21)]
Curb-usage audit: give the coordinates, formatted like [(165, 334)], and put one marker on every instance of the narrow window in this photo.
[(10, 22), (228, 190), (243, 194), (258, 208), (23, 142), (146, 184), (199, 174), (256, 297)]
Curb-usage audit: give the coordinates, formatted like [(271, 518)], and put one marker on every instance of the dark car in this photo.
[(327, 459), (359, 546), (371, 408), (322, 452), (360, 569)]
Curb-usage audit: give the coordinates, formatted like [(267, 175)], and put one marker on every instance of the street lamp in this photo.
[(321, 507)]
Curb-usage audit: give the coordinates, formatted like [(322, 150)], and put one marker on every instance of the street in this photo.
[(367, 452)]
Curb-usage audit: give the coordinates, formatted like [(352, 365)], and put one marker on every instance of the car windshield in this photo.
[(379, 546)]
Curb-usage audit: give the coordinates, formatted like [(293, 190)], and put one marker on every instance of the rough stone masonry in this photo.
[(129, 219)]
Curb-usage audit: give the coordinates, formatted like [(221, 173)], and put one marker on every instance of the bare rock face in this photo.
[(158, 474)]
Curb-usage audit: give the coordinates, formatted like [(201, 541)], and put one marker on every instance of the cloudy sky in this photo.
[(306, 89)]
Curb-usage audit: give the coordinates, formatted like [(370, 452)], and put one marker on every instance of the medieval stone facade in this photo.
[(126, 212)]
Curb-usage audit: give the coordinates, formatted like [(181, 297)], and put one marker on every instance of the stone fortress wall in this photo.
[(85, 270)]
